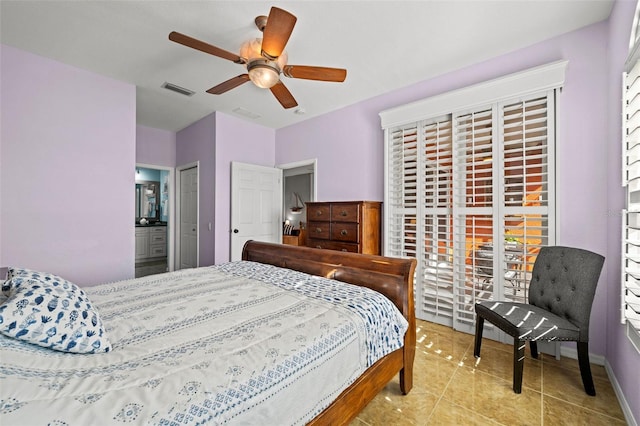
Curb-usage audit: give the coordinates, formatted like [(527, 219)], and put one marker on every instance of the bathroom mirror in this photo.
[(147, 200)]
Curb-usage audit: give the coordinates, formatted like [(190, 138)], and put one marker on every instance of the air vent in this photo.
[(247, 113), (178, 89)]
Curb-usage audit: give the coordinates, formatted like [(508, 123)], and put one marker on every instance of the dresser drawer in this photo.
[(352, 226), (333, 245), (341, 231), (319, 211), (319, 230), (345, 212)]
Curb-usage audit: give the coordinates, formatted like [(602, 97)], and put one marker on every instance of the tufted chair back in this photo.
[(564, 282)]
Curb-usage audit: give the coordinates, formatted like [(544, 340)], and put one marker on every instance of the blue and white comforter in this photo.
[(238, 343)]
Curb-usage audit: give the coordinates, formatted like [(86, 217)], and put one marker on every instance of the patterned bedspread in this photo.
[(238, 343)]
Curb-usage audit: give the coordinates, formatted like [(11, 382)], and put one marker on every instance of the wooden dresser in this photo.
[(345, 225)]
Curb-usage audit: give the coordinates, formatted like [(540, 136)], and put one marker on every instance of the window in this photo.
[(631, 179), (469, 192)]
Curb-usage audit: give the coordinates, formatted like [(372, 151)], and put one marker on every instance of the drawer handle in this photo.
[(319, 247), (343, 232), (344, 249), (343, 213), (318, 212), (318, 230)]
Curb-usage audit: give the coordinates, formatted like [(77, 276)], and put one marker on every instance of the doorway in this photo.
[(298, 188), (154, 219)]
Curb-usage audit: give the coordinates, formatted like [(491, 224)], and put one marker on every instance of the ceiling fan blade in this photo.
[(232, 83), (280, 24), (204, 47), (315, 73), (283, 95)]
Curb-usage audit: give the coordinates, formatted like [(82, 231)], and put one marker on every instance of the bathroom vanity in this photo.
[(151, 242)]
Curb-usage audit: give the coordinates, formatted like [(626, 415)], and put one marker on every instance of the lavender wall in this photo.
[(68, 162), (155, 146), (245, 142), (216, 141), (197, 143), (349, 146), (621, 356)]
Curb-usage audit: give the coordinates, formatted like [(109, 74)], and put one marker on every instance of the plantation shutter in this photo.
[(631, 216), (528, 200), (474, 211), (436, 292), (402, 186)]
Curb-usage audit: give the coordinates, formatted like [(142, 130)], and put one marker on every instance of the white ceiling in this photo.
[(384, 45)]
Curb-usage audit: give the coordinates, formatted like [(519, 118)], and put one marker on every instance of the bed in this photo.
[(277, 338)]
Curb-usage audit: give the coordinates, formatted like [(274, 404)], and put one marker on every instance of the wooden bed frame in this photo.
[(390, 276)]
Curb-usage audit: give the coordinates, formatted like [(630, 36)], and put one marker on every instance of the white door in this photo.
[(256, 205), (188, 218)]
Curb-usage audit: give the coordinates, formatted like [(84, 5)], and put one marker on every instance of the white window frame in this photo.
[(630, 287)]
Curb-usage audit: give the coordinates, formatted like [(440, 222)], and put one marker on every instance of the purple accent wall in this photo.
[(241, 141), (197, 143), (155, 146), (67, 169), (621, 356), (217, 140), (349, 147)]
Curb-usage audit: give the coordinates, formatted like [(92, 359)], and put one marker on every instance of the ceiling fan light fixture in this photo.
[(263, 73)]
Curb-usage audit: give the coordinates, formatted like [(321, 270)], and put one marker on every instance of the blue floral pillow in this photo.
[(38, 276), (53, 313)]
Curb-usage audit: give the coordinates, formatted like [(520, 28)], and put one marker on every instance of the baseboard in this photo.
[(570, 352), (628, 415)]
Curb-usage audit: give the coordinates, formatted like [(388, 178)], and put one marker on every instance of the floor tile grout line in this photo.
[(458, 367), (444, 390), (584, 407)]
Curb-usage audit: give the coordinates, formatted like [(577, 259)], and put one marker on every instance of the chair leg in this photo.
[(585, 368), (518, 363), (533, 345), (478, 339)]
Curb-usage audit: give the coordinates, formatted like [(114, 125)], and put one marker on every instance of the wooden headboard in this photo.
[(392, 277)]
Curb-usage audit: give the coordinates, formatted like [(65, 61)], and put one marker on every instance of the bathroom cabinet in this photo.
[(151, 242)]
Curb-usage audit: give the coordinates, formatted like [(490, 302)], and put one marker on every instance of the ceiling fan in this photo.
[(265, 58)]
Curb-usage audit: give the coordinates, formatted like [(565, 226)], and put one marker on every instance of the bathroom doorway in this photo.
[(154, 219)]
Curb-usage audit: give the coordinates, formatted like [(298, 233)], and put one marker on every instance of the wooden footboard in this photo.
[(390, 276)]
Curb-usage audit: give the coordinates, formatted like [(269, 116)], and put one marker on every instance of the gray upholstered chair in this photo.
[(561, 293)]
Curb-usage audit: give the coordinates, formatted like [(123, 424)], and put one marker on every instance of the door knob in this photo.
[(235, 231)]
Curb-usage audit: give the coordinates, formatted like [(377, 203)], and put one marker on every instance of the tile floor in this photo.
[(449, 389), (151, 267)]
